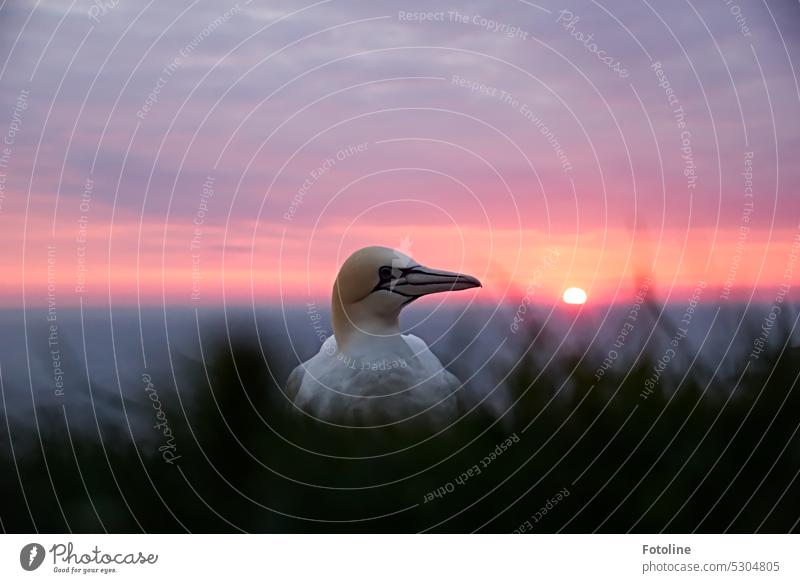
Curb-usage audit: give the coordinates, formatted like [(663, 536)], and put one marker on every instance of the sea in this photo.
[(93, 363)]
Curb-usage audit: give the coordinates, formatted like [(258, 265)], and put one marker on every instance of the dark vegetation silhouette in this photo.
[(710, 453)]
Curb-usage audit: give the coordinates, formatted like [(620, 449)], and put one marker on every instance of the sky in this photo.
[(207, 152)]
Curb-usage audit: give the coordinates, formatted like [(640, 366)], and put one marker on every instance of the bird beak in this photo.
[(419, 281)]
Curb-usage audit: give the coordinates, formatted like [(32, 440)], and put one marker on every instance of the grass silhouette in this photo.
[(704, 452)]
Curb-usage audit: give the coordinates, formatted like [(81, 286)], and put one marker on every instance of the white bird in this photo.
[(368, 373)]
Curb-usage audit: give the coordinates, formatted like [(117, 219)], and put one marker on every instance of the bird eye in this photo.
[(385, 273)]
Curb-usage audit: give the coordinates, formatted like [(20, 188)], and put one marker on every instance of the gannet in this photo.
[(369, 373)]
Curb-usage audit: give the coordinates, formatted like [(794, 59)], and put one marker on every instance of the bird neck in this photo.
[(357, 325)]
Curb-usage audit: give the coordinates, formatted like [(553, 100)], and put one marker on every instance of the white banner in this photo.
[(400, 558)]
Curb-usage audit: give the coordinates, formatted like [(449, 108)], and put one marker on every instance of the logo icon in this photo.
[(31, 556)]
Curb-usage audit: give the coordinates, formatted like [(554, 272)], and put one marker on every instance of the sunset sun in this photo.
[(574, 295)]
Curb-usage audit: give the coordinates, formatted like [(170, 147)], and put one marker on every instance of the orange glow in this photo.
[(574, 295), (151, 264)]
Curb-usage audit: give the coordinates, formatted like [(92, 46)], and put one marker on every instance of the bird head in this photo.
[(375, 283)]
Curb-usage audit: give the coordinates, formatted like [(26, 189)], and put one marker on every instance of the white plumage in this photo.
[(369, 373)]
